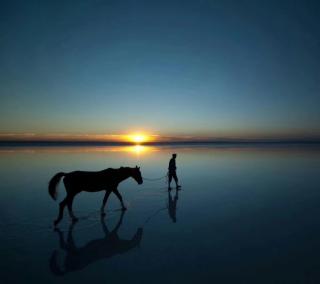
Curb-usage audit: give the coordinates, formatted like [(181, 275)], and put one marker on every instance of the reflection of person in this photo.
[(172, 171), (172, 206)]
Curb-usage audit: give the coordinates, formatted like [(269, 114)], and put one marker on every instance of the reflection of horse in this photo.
[(79, 258), (78, 181), (172, 206)]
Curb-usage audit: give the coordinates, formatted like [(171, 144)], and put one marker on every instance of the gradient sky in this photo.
[(210, 68)]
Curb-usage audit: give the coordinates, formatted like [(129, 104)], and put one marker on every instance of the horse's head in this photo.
[(136, 174)]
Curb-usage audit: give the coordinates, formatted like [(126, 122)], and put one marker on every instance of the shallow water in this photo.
[(244, 215)]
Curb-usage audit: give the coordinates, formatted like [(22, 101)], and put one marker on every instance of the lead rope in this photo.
[(155, 179)]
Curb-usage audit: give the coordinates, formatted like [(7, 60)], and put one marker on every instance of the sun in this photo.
[(138, 138)]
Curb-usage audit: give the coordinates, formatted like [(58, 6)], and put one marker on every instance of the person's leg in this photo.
[(169, 180), (176, 180)]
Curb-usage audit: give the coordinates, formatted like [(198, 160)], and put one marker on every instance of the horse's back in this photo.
[(90, 180), (105, 172)]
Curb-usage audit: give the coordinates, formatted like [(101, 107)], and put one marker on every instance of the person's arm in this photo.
[(171, 165)]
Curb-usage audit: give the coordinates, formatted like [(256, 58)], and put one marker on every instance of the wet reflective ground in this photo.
[(244, 215)]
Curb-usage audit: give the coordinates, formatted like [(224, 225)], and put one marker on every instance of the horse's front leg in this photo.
[(106, 196), (117, 193)]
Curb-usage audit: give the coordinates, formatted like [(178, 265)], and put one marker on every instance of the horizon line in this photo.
[(6, 143)]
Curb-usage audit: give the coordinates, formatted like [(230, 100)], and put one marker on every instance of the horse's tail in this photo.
[(53, 184)]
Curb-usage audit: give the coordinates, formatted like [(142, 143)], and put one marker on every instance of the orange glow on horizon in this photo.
[(140, 138), (134, 138)]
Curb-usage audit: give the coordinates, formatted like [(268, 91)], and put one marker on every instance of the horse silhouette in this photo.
[(79, 258), (78, 181)]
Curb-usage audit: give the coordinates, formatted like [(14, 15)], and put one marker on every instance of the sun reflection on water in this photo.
[(136, 149)]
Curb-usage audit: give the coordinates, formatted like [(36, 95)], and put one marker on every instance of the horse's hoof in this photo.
[(55, 223), (103, 214), (124, 209)]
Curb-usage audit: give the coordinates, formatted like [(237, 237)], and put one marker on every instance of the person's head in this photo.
[(174, 155)]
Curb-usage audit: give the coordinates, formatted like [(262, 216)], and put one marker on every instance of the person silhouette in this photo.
[(172, 172)]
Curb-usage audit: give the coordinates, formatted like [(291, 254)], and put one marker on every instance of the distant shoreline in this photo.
[(164, 143)]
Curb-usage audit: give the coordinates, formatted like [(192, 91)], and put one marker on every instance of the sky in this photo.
[(169, 68)]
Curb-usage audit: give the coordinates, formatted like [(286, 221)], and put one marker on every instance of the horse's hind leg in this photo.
[(69, 204), (71, 193), (106, 196), (62, 204), (67, 201), (117, 193)]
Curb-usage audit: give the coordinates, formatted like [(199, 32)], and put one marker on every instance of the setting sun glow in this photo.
[(138, 138)]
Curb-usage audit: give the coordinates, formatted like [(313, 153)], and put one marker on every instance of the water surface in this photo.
[(244, 215)]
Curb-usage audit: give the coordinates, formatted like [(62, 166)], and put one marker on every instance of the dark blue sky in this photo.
[(210, 68)]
